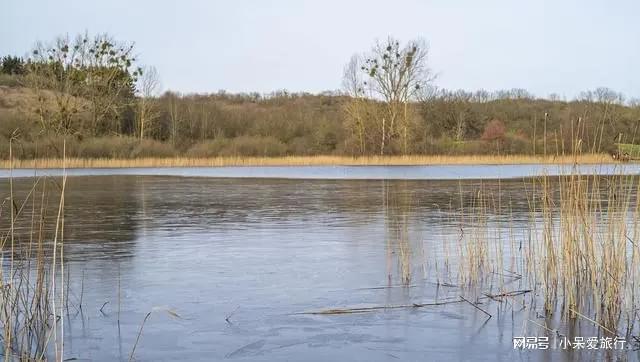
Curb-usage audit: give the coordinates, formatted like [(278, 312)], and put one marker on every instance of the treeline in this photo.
[(89, 92)]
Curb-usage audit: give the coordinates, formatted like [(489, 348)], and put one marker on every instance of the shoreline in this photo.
[(171, 162)]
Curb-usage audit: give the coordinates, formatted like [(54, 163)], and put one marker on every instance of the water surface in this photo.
[(238, 259), (427, 172)]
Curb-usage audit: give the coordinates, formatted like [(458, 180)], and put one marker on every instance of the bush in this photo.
[(300, 146), (152, 148), (103, 147), (248, 146), (12, 121), (10, 80), (122, 147), (494, 130), (12, 65), (255, 146), (209, 148), (44, 147), (516, 143)]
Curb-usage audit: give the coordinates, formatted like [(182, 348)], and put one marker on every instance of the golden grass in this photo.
[(308, 161), (30, 281), (580, 246)]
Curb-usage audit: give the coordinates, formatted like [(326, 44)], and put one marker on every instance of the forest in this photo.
[(90, 93)]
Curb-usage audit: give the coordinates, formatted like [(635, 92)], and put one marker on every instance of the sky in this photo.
[(544, 46)]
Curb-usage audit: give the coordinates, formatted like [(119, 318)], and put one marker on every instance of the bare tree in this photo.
[(50, 75), (174, 116), (149, 86), (356, 109), (394, 76), (87, 73)]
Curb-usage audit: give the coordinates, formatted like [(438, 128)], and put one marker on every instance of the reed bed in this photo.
[(589, 258), (579, 251), (32, 286), (402, 247), (596, 158)]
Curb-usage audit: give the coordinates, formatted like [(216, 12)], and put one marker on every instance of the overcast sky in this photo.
[(544, 46)]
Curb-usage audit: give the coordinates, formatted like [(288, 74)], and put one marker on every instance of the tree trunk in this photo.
[(383, 136)]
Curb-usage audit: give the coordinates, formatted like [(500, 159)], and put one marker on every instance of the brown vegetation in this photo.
[(224, 125), (109, 108), (110, 162)]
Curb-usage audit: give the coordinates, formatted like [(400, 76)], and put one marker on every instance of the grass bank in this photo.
[(307, 161)]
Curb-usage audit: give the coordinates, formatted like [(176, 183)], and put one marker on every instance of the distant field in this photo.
[(306, 161)]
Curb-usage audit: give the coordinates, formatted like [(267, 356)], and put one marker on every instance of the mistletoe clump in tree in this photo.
[(382, 84), (90, 75)]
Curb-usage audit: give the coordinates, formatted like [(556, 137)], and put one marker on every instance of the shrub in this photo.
[(301, 146), (494, 130), (209, 148), (10, 80), (255, 146), (516, 143), (44, 147), (12, 65), (102, 147), (152, 148), (105, 147), (249, 146)]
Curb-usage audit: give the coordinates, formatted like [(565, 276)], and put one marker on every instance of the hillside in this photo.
[(282, 124)]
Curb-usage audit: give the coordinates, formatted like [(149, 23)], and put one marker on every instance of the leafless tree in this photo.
[(149, 86), (356, 109), (392, 75), (174, 116), (95, 73)]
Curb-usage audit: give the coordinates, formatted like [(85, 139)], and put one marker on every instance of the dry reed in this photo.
[(32, 284), (580, 245), (596, 158)]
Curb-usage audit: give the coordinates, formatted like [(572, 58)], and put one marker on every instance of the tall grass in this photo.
[(31, 275), (596, 158), (589, 261), (579, 250)]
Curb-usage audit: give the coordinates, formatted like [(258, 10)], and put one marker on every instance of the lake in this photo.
[(430, 172), (264, 264)]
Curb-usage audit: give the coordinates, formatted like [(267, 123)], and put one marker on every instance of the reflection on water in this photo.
[(239, 259)]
